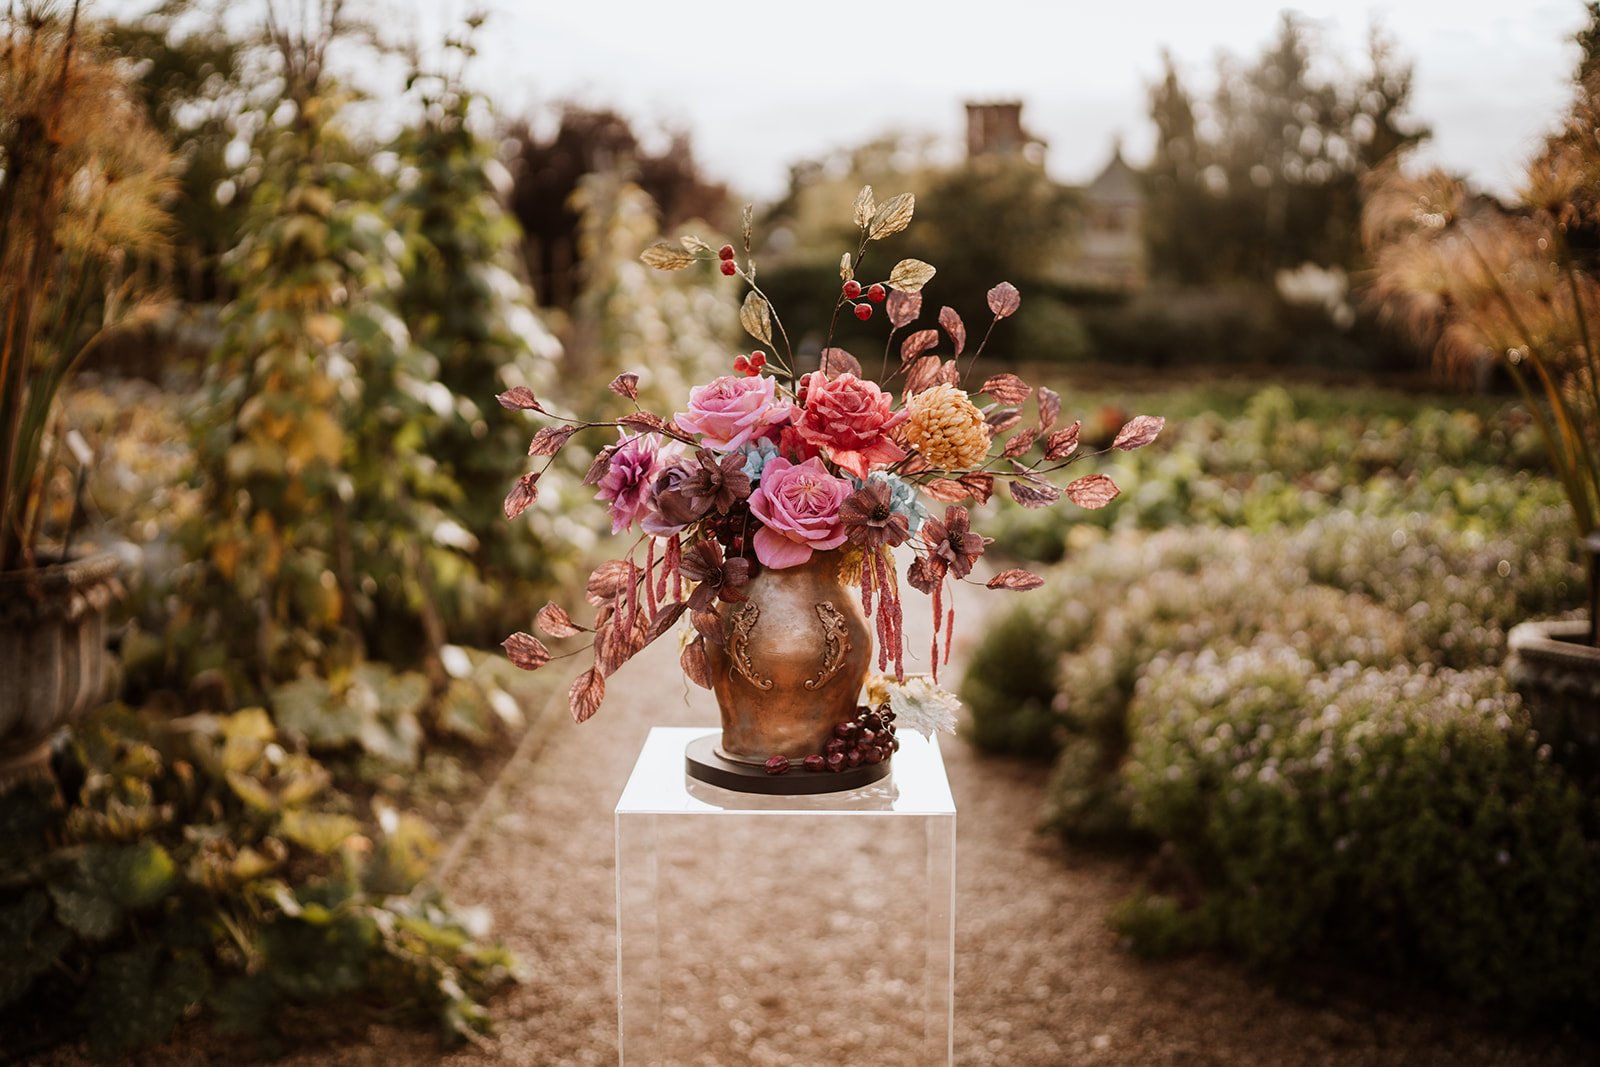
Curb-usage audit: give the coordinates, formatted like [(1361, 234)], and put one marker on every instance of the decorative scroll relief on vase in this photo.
[(744, 620), (835, 644)]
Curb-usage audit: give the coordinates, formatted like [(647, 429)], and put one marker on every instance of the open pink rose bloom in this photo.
[(798, 505), (732, 410)]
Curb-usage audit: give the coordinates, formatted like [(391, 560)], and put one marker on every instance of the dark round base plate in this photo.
[(703, 764)]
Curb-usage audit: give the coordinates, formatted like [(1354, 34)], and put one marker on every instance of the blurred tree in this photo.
[(1175, 197), (546, 173), (318, 488), (1266, 174), (674, 329), (189, 72), (464, 301)]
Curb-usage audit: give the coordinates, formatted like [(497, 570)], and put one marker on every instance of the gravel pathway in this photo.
[(1040, 979)]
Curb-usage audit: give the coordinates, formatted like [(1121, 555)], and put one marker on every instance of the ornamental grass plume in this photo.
[(83, 178), (947, 429), (1480, 281)]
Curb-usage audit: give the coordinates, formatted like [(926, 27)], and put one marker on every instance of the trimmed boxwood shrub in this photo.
[(1405, 818)]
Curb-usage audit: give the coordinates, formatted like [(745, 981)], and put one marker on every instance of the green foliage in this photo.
[(375, 708), (349, 457), (1291, 458), (674, 329), (1236, 325), (200, 866), (1009, 686), (1404, 818), (190, 75), (982, 222), (462, 298)]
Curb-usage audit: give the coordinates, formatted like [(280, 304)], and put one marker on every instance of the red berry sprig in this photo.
[(725, 253), (852, 289), (863, 312), (876, 293), (729, 268), (750, 365)]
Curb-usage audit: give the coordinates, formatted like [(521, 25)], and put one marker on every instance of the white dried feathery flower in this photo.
[(922, 705)]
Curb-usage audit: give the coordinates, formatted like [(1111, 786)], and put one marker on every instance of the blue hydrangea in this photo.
[(756, 456)]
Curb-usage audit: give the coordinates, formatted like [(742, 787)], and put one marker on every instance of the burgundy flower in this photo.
[(718, 578), (720, 482), (870, 520), (668, 509), (953, 541)]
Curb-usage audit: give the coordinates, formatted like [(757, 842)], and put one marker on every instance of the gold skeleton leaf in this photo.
[(756, 317), (910, 275), (865, 206), (892, 217), (666, 256)]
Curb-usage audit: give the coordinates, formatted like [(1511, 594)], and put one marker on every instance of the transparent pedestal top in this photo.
[(780, 929)]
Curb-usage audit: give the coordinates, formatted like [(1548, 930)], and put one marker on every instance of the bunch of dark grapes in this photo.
[(868, 738)]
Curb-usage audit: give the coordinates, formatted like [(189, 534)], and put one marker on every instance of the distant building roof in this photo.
[(1117, 183)]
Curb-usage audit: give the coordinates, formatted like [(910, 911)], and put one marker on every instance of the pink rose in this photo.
[(850, 419), (730, 410), (798, 505)]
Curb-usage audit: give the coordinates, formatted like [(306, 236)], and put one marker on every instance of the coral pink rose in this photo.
[(730, 410), (850, 419), (798, 505)]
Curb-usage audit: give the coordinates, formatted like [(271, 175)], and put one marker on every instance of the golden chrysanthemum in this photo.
[(946, 428)]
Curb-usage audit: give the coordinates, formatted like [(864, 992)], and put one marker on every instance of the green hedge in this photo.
[(1405, 818)]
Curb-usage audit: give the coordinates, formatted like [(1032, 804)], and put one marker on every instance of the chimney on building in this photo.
[(995, 129)]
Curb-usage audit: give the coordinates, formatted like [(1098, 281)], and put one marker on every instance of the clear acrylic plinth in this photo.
[(796, 930)]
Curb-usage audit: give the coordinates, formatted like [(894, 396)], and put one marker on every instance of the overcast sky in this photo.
[(761, 85)]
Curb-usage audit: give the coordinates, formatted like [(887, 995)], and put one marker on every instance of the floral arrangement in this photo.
[(769, 465)]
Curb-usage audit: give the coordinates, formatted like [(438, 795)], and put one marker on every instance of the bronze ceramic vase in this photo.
[(792, 662)]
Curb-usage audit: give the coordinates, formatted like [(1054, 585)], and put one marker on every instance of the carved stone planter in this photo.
[(52, 655), (1558, 674), (793, 659)]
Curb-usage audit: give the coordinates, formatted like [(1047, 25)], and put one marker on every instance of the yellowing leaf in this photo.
[(324, 328), (756, 317), (892, 217), (910, 275), (691, 243), (321, 832), (663, 255), (846, 271)]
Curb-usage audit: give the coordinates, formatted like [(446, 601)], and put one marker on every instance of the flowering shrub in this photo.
[(1458, 591), (1368, 589), (769, 465), (1403, 817)]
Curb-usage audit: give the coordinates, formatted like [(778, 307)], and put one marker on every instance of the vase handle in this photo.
[(744, 620), (835, 644)]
